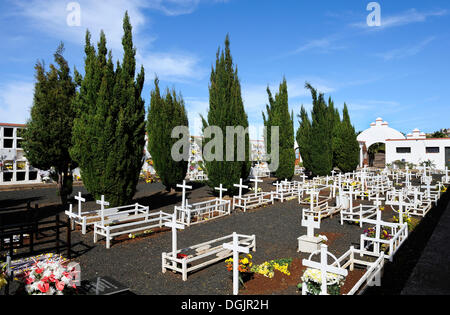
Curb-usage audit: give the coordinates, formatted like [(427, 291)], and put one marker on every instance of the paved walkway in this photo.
[(431, 274)]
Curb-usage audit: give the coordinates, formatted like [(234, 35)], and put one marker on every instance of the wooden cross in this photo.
[(277, 184), (240, 186), (256, 181), (80, 200), (324, 267), (174, 225), (236, 250), (333, 172), (310, 225), (221, 190), (183, 197)]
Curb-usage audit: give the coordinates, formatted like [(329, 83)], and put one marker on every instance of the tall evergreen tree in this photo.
[(347, 156), (47, 139), (278, 115), (321, 135), (303, 139), (109, 131), (164, 114), (226, 108)]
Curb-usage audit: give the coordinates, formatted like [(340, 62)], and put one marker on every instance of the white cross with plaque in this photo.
[(324, 268), (310, 225), (236, 250), (102, 204)]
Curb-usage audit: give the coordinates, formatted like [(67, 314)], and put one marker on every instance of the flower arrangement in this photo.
[(245, 266), (267, 269), (245, 263), (253, 189), (384, 235), (312, 278), (48, 277), (444, 189)]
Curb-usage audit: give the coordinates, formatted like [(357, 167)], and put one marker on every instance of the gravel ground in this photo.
[(137, 263)]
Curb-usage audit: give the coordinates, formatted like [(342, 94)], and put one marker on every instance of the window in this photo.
[(8, 132), (8, 143), (403, 150), (19, 143), (432, 149)]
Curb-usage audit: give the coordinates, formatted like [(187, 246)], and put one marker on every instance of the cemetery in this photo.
[(134, 204)]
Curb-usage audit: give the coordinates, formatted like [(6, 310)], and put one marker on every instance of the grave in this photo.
[(309, 243)]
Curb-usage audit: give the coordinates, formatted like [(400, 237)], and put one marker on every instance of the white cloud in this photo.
[(405, 18), (406, 51), (51, 17), (16, 99)]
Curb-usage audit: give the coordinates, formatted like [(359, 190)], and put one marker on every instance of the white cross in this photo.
[(183, 197), (80, 200), (256, 181), (102, 203), (324, 267), (310, 225), (174, 225), (240, 186), (378, 224), (303, 177), (236, 250), (220, 189), (333, 172), (378, 200), (277, 184), (313, 195)]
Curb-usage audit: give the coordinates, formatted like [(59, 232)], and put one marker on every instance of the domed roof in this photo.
[(379, 132)]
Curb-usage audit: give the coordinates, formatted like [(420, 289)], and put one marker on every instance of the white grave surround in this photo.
[(420, 205), (309, 243), (358, 213), (205, 254), (324, 268), (372, 277), (286, 191), (191, 214), (399, 233), (303, 200), (127, 219), (254, 199)]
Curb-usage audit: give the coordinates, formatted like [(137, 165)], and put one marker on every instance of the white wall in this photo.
[(418, 151)]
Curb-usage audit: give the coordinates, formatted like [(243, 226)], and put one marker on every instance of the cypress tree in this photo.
[(226, 108), (47, 138), (347, 156), (164, 114), (109, 131), (278, 115), (303, 138), (321, 136)]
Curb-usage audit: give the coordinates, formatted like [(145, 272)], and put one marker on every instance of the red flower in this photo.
[(43, 287), (59, 285)]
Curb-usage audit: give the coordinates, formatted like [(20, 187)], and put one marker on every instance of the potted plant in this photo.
[(245, 266), (312, 280)]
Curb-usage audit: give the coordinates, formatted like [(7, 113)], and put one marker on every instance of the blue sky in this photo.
[(398, 71)]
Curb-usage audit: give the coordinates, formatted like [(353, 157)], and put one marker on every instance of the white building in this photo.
[(416, 149), (14, 167)]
